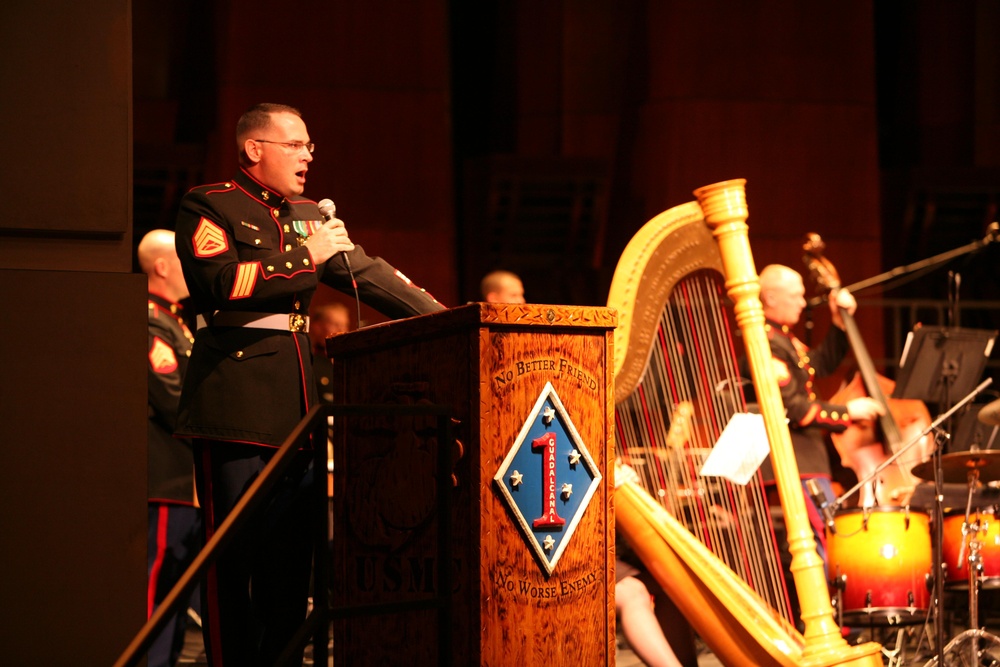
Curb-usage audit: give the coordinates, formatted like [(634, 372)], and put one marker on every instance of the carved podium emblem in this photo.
[(548, 478)]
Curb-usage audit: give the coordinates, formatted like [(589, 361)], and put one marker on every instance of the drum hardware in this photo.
[(956, 648), (978, 524), (973, 529), (894, 657), (839, 583)]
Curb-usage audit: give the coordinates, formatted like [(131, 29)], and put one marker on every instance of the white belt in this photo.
[(280, 321)]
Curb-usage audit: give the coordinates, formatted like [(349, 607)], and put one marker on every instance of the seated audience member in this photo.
[(637, 616)]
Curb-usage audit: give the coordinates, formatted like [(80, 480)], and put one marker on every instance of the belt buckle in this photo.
[(296, 323)]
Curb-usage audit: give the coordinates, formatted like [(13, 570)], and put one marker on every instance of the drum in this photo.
[(879, 562), (956, 560)]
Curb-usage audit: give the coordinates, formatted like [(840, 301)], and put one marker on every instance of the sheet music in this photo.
[(740, 450), (906, 349)]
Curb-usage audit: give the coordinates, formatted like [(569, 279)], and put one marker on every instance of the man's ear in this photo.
[(160, 267), (252, 150)]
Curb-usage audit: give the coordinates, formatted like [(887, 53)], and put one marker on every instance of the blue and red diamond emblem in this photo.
[(548, 478)]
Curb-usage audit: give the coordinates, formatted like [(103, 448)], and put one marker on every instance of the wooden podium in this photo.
[(530, 559)]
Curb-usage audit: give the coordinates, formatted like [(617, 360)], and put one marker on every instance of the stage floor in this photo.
[(194, 654), (903, 646)]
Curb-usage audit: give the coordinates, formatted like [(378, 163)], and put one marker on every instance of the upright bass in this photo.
[(865, 445)]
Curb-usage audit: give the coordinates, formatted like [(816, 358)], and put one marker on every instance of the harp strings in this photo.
[(667, 427)]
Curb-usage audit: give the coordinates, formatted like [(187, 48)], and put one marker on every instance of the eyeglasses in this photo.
[(294, 145)]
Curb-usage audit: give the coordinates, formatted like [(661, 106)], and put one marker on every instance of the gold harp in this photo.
[(707, 541)]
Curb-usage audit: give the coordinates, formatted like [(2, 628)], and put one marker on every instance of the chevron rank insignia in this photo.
[(209, 239), (161, 357)]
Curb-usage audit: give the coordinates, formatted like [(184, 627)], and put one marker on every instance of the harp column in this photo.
[(725, 209)]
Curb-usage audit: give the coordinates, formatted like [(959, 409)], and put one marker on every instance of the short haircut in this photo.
[(256, 119), (775, 276)]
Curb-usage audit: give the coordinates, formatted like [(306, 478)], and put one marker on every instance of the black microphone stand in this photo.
[(937, 544), (992, 236)]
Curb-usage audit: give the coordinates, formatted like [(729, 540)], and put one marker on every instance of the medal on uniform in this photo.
[(306, 228)]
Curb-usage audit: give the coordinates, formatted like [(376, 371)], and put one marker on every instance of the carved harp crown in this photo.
[(670, 247)]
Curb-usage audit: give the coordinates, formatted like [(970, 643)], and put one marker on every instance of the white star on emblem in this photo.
[(548, 414), (548, 543), (574, 457), (567, 489), (515, 478)]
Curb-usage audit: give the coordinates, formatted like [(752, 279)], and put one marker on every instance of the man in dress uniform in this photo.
[(174, 525), (796, 367), (253, 251)]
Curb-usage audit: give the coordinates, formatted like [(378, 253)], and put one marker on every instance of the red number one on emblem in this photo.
[(550, 515)]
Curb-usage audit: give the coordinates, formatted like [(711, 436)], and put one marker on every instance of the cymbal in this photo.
[(990, 413), (955, 467)]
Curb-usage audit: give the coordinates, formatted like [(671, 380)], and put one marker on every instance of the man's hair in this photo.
[(254, 120)]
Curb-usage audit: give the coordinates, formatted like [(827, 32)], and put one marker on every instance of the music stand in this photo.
[(938, 363), (941, 362)]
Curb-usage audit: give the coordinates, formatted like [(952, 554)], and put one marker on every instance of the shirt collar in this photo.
[(257, 190), (781, 328), (165, 305)]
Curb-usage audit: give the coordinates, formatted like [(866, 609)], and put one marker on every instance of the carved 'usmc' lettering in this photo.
[(550, 514)]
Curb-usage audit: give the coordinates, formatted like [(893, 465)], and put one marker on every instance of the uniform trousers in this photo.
[(174, 539), (255, 596)]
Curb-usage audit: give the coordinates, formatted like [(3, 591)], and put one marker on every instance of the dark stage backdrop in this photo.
[(72, 342)]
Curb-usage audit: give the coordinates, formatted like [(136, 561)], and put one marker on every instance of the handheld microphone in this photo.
[(823, 504), (329, 211)]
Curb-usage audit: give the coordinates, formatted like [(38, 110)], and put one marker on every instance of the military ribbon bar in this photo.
[(306, 227)]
